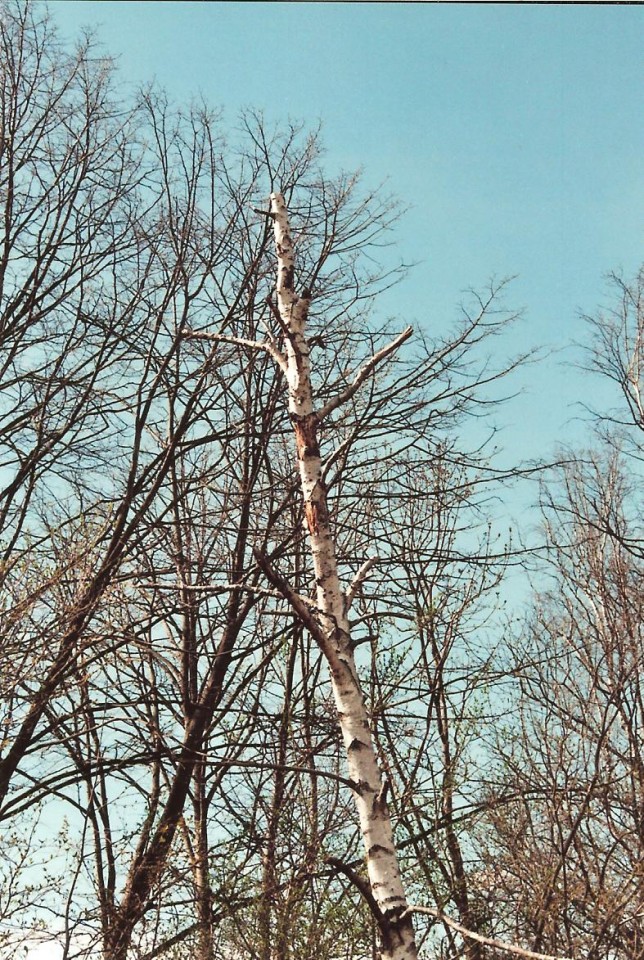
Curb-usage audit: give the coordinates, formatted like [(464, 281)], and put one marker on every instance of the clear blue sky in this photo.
[(514, 131)]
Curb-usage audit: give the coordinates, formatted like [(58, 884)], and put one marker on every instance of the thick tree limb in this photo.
[(362, 375), (359, 883), (358, 580), (266, 345), (300, 605)]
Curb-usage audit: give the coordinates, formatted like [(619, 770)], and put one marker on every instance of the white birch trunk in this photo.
[(397, 935)]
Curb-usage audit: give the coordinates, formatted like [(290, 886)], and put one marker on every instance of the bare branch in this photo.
[(488, 941), (359, 579), (301, 606), (359, 883), (266, 345)]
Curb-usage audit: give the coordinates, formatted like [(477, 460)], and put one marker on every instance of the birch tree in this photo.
[(326, 616), (330, 622)]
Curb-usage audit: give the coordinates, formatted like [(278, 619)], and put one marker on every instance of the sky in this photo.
[(512, 131)]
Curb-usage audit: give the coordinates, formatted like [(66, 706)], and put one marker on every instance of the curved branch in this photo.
[(488, 941)]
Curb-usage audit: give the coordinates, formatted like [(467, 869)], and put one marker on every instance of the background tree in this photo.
[(565, 851)]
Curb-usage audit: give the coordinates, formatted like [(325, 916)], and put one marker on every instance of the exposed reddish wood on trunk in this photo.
[(306, 436), (317, 517)]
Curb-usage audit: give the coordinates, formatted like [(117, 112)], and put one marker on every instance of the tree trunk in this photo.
[(273, 924), (386, 894), (202, 887)]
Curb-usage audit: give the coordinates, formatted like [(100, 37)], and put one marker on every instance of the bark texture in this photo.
[(387, 896)]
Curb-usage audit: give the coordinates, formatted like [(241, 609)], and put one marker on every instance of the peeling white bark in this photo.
[(333, 634)]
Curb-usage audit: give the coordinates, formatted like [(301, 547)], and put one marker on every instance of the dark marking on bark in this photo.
[(361, 787), (356, 744), (397, 930), (378, 848)]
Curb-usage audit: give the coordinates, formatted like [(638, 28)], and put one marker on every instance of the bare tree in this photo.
[(565, 849), (574, 781)]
